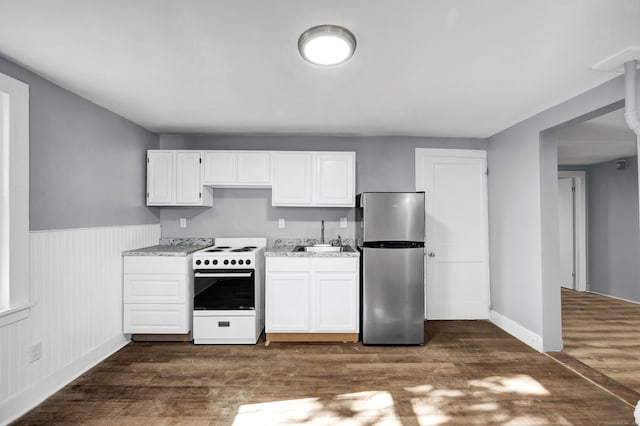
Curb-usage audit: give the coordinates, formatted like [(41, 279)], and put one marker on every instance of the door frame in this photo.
[(419, 181), (580, 228)]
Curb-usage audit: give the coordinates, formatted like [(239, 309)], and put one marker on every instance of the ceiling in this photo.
[(600, 139), (460, 68)]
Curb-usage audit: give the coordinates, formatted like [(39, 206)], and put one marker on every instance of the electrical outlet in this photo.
[(281, 223), (35, 352), (183, 222), (343, 222)]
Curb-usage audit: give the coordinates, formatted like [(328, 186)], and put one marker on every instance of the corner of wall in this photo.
[(516, 330)]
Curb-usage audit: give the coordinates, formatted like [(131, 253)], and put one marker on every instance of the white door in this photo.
[(456, 240), (566, 231)]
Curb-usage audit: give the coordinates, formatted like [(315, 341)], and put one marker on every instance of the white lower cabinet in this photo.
[(335, 302), (287, 304), (312, 295), (157, 294)]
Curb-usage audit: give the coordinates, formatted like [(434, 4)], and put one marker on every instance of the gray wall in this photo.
[(525, 289), (382, 164), (614, 243), (86, 163)]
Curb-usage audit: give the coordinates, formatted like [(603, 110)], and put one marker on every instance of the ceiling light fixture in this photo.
[(327, 45)]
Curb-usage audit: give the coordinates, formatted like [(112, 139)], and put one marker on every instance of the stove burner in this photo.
[(244, 249), (223, 247), (213, 250)]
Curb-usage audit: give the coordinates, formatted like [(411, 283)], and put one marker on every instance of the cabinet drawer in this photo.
[(335, 264), (231, 328), (155, 288), (158, 318), (288, 264), (156, 264)]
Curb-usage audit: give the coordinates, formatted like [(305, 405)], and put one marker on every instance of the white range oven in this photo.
[(228, 302)]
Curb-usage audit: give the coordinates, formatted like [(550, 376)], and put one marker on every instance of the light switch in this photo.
[(281, 223), (343, 222), (183, 222)]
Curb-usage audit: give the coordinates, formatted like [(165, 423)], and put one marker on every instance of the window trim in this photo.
[(15, 299)]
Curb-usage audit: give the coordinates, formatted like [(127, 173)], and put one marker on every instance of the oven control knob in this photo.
[(198, 262), (226, 262), (233, 262), (248, 262), (206, 262), (240, 262), (214, 261)]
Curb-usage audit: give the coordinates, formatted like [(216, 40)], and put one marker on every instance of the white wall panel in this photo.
[(76, 283)]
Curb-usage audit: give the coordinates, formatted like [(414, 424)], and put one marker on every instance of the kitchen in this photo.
[(92, 185)]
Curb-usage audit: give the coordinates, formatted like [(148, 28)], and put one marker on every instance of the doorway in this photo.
[(598, 201), (572, 229)]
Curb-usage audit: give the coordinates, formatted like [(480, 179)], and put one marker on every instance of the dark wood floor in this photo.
[(603, 333), (469, 372)]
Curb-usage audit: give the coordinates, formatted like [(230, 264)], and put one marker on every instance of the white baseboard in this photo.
[(516, 330), (614, 297), (21, 403)]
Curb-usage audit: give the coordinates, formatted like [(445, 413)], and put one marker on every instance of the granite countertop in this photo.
[(172, 247), (284, 248)]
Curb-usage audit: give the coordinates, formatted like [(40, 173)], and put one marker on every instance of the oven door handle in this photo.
[(221, 274)]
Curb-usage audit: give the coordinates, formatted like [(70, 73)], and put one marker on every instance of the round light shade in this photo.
[(326, 45)]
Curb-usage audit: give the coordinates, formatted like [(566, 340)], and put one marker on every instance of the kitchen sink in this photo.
[(323, 248)]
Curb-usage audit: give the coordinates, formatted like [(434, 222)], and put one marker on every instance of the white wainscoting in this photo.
[(76, 284)]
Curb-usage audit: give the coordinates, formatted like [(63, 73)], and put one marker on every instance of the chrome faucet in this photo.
[(322, 231)]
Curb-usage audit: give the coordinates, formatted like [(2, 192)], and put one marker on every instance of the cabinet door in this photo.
[(292, 179), (335, 303), (188, 186), (220, 168), (335, 183), (156, 318), (287, 302), (160, 183), (254, 168), (155, 288)]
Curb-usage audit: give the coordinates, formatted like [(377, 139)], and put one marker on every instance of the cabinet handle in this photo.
[(224, 324)]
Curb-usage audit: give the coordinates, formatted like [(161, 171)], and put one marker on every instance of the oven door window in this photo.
[(224, 290)]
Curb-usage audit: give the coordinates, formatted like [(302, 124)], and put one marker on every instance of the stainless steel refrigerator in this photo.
[(390, 238)]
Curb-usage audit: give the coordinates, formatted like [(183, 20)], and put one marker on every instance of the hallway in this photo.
[(603, 334)]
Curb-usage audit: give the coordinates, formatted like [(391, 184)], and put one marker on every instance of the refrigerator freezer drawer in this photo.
[(392, 216)]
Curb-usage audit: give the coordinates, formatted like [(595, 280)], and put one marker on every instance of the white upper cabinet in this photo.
[(292, 178), (160, 183), (174, 179), (188, 186), (219, 167), (236, 168), (335, 182), (308, 179)]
